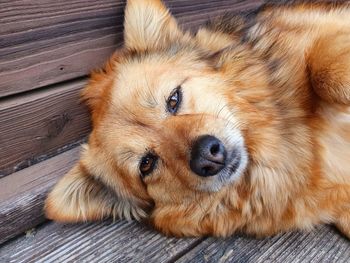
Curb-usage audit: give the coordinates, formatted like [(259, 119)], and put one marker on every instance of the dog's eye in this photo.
[(147, 164), (174, 100)]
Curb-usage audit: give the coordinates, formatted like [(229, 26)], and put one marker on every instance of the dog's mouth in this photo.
[(231, 171)]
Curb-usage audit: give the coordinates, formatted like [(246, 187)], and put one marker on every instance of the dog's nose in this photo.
[(208, 156)]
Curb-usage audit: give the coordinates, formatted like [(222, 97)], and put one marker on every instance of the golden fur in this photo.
[(274, 83)]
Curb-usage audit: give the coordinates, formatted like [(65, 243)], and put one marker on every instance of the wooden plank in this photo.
[(101, 242), (124, 241), (38, 125), (324, 244), (56, 41), (22, 194)]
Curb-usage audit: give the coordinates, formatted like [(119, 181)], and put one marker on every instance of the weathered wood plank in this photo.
[(324, 244), (56, 41), (22, 194), (38, 125), (124, 241), (101, 242)]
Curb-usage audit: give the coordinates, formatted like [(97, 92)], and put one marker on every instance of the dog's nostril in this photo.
[(205, 170), (208, 170), (214, 150)]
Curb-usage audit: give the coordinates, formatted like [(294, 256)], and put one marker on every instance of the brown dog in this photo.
[(244, 126)]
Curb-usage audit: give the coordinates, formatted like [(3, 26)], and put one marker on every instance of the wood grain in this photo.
[(22, 194), (124, 241), (324, 244), (55, 41), (121, 241), (38, 125)]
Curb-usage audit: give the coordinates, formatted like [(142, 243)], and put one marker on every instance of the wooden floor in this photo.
[(132, 242)]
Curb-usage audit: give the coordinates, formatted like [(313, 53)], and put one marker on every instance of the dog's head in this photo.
[(169, 129)]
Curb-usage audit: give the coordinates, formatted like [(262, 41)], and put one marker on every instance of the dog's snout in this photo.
[(208, 156)]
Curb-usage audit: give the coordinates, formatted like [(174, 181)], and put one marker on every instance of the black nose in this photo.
[(208, 156)]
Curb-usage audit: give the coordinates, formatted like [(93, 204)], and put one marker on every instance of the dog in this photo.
[(243, 126)]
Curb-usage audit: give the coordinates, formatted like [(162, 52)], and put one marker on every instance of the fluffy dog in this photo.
[(243, 126)]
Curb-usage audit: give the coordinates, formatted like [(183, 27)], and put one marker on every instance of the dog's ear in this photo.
[(148, 24), (79, 196), (218, 59)]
